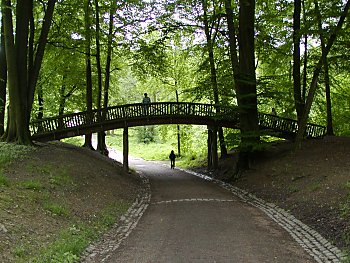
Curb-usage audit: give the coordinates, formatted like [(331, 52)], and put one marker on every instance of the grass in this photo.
[(315, 186), (73, 240), (31, 184), (10, 152), (293, 189), (56, 209), (147, 151), (4, 181), (78, 141)]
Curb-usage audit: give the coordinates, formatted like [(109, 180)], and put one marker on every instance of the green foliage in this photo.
[(146, 134)]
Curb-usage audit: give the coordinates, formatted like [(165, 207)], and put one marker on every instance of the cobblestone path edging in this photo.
[(316, 245), (102, 250)]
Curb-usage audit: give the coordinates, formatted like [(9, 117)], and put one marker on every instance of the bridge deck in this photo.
[(138, 114)]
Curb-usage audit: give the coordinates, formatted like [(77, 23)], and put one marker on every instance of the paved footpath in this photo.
[(184, 218)]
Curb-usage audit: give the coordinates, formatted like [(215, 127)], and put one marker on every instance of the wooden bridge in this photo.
[(130, 115)]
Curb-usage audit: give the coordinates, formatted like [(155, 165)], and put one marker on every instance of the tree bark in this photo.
[(246, 84), (303, 95), (33, 78), (88, 74), (313, 85), (3, 81), (18, 128), (101, 146), (213, 77), (326, 72), (299, 104)]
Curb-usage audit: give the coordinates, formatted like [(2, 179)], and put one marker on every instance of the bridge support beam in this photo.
[(213, 159), (126, 149)]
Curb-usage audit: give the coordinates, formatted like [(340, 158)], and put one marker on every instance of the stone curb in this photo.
[(193, 200), (312, 242), (102, 250)]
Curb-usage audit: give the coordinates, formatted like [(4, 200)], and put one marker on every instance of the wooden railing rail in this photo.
[(142, 112)]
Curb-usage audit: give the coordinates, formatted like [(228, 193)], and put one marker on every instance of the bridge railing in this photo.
[(131, 111), (281, 124), (166, 109)]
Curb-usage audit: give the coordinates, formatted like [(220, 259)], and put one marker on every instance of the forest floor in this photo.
[(313, 183), (58, 189)]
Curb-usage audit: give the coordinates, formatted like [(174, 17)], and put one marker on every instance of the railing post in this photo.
[(210, 138), (214, 148), (126, 149), (213, 159)]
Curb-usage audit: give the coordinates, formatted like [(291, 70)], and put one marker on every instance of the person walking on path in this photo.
[(172, 157), (145, 101)]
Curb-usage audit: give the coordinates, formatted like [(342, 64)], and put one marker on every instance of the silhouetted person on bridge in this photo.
[(145, 101), (274, 119), (273, 112), (172, 157)]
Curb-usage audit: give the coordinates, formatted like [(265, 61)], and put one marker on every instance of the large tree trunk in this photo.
[(299, 104), (232, 38), (22, 75), (108, 69), (18, 129), (246, 84), (101, 145), (34, 69), (213, 78), (88, 74), (304, 85), (326, 72), (313, 86), (3, 80)]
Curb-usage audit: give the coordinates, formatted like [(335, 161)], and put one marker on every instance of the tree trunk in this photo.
[(303, 95), (213, 78), (246, 84), (299, 104), (232, 38), (18, 128), (34, 74), (313, 86), (40, 103), (3, 80), (88, 74), (178, 129), (326, 72), (101, 145), (107, 72)]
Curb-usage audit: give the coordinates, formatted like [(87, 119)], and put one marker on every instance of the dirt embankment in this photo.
[(57, 189), (313, 183)]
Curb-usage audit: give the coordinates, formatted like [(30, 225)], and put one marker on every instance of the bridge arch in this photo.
[(138, 114)]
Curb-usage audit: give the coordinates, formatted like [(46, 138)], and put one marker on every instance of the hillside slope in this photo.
[(313, 183), (57, 200)]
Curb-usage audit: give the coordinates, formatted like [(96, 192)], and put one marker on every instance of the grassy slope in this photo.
[(56, 199)]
